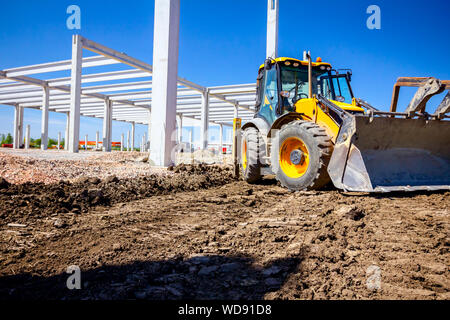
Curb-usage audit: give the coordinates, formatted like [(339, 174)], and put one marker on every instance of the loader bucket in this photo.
[(382, 154)]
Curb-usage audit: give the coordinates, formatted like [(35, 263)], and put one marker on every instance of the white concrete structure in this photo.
[(144, 143), (133, 101), (121, 142), (133, 134), (97, 137), (75, 93), (180, 128), (86, 142), (204, 120), (107, 124), (66, 134), (165, 73), (18, 126), (191, 141), (44, 120), (272, 29), (220, 138), (27, 137), (59, 141), (128, 140)]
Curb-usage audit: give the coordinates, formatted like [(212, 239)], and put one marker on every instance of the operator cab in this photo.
[(282, 82)]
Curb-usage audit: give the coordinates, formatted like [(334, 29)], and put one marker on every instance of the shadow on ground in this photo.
[(201, 277)]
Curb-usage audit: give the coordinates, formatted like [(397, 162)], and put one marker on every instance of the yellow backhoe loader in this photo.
[(309, 130)]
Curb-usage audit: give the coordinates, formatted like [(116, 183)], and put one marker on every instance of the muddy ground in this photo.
[(199, 234)]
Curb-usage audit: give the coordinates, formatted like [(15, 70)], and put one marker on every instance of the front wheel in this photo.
[(300, 154), (250, 162)]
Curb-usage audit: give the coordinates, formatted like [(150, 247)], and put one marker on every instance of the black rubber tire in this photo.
[(252, 173), (319, 146)]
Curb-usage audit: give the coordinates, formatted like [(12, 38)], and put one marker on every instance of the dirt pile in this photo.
[(37, 200)]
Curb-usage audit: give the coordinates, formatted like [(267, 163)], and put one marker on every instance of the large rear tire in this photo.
[(300, 154), (250, 162)]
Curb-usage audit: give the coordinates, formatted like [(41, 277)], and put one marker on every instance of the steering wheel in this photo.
[(301, 95)]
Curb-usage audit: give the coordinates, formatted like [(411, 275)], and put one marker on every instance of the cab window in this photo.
[(269, 98)]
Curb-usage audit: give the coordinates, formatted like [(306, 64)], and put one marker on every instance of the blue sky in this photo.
[(223, 42)]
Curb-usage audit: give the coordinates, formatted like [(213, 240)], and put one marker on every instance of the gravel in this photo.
[(22, 166)]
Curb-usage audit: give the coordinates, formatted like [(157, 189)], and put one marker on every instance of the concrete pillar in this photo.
[(190, 138), (66, 136), (18, 127), (149, 130), (165, 72), (220, 138), (128, 140), (133, 133), (75, 93), (144, 142), (86, 142), (204, 120), (236, 112), (121, 142), (27, 137), (97, 137), (44, 119), (180, 128), (59, 140), (107, 124), (272, 29)]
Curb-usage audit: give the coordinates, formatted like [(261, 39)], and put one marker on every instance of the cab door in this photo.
[(268, 95)]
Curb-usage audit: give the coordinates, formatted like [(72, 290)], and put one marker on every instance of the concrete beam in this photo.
[(165, 71), (75, 93), (272, 28), (44, 119)]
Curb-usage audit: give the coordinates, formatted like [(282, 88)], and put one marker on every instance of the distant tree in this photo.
[(9, 139), (52, 142), (37, 143)]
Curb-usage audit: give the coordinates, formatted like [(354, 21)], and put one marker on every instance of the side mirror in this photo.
[(267, 64), (340, 98)]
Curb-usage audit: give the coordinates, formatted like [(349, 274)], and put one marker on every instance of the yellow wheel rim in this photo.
[(244, 155), (294, 147)]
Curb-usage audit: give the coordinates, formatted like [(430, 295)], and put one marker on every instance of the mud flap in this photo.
[(382, 154)]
